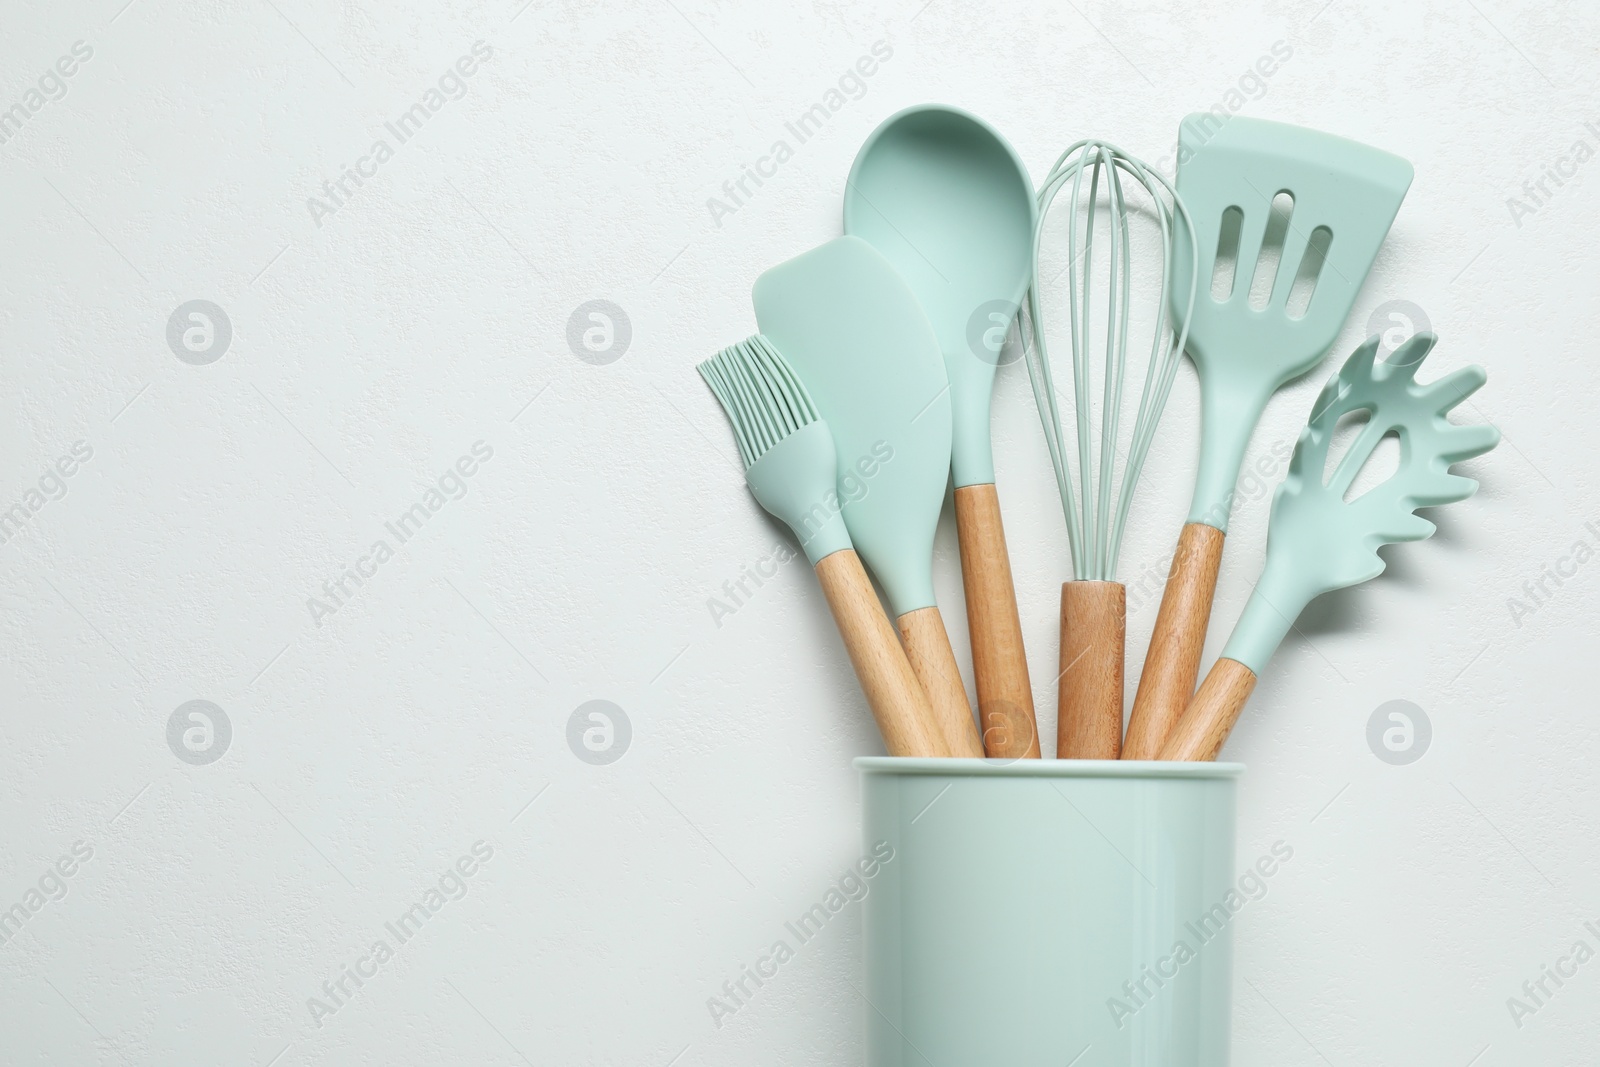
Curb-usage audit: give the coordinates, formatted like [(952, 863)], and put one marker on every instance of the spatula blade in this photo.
[(1351, 190), (855, 334)]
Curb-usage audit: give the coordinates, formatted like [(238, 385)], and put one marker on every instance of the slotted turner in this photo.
[(1318, 542), (1345, 196)]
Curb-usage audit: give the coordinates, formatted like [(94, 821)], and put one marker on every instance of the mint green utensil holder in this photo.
[(1042, 910)]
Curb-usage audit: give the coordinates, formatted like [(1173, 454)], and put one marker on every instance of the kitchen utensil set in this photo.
[(868, 390)]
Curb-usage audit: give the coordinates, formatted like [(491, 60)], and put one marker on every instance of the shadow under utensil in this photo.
[(1338, 612)]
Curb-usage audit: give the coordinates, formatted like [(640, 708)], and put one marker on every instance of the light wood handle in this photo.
[(1005, 694), (1089, 698), (1212, 713), (1166, 683), (897, 701), (928, 648)]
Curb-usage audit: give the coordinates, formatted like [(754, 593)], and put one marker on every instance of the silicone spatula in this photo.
[(1253, 329), (947, 200), (1320, 541), (858, 339)]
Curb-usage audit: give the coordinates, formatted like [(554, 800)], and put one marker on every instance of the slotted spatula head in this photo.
[(856, 336), (1345, 196), (1318, 541)]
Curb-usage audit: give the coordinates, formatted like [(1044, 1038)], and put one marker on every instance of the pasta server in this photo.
[(1317, 540)]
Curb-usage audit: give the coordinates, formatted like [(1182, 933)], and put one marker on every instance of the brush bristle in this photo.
[(761, 393)]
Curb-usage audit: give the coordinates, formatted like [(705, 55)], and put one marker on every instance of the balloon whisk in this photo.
[(1107, 447), (1111, 434)]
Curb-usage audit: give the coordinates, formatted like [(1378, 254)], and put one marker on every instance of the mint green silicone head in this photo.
[(1318, 542), (858, 339), (947, 200), (790, 463), (1345, 196)]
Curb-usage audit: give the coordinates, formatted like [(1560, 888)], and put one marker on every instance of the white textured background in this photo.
[(430, 311)]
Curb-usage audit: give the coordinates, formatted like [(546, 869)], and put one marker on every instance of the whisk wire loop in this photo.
[(1096, 503)]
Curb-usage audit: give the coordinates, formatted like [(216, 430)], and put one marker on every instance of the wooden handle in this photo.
[(1173, 663), (928, 649), (897, 701), (1089, 698), (1212, 713), (1005, 694)]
